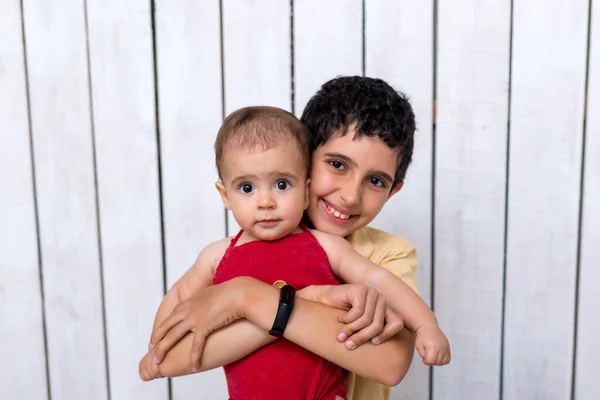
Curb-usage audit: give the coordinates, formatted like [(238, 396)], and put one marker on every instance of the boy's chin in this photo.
[(333, 228)]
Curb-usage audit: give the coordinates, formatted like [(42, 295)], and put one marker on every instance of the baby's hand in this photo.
[(149, 368), (432, 345)]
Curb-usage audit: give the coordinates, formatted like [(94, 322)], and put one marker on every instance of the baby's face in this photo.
[(265, 190)]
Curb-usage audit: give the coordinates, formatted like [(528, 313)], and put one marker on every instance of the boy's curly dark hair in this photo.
[(375, 107)]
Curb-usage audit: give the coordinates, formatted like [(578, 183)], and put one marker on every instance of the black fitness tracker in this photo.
[(286, 305)]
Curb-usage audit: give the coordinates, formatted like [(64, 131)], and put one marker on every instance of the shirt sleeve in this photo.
[(403, 263)]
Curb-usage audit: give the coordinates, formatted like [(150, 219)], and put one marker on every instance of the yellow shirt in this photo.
[(399, 256)]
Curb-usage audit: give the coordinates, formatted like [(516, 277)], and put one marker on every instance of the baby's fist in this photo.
[(432, 345), (149, 368)]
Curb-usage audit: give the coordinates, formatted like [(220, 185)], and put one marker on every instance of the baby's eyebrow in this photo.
[(287, 175), (243, 178)]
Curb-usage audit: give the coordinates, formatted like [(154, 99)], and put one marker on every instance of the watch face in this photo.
[(279, 284)]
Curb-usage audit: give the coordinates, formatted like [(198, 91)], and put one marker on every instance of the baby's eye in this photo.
[(282, 185), (376, 182), (337, 164), (246, 188)]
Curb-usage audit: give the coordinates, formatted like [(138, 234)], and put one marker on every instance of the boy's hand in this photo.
[(368, 317), (206, 311), (149, 368), (432, 345)]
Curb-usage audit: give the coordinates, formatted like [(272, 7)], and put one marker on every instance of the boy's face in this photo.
[(351, 179), (265, 190)]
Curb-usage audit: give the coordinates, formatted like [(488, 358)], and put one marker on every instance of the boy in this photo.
[(362, 137)]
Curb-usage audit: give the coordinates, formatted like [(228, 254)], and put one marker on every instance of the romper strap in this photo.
[(303, 227), (236, 238)]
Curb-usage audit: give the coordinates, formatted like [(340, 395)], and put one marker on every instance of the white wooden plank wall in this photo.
[(57, 65), (190, 112), (547, 104), (122, 83), (24, 376), (108, 114), (470, 180), (396, 32), (588, 329)]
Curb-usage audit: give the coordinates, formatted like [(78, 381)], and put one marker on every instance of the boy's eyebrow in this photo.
[(384, 175), (342, 157)]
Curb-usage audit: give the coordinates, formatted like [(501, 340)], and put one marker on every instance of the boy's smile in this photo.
[(351, 179)]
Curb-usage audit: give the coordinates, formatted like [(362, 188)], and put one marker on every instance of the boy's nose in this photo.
[(350, 193)]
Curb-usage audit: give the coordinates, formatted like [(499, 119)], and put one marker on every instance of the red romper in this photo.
[(282, 369)]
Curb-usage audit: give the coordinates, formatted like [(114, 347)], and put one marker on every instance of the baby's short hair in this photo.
[(261, 127)]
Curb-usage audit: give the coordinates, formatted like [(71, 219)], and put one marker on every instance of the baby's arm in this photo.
[(351, 267), (198, 276)]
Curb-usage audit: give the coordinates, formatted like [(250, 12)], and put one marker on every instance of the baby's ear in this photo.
[(223, 192), (307, 194)]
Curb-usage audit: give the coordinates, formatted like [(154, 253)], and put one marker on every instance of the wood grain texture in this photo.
[(588, 330), (122, 82), (62, 144), (472, 120), (547, 103), (399, 49), (327, 43), (190, 113), (21, 331)]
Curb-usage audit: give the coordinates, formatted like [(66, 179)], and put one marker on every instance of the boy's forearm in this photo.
[(314, 326), (221, 348)]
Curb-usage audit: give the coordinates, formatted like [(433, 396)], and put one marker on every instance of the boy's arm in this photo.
[(418, 317), (198, 276), (312, 326)]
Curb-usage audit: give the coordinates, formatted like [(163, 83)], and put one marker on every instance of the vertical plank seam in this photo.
[(163, 247), (506, 207), (222, 48), (292, 55), (433, 169), (35, 205), (96, 199), (364, 39), (581, 198)]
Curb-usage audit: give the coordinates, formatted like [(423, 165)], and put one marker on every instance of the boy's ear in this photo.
[(307, 194), (396, 189), (223, 192)]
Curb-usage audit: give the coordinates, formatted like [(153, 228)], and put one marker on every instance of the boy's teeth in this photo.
[(337, 213)]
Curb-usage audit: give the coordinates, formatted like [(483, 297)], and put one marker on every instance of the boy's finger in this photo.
[(375, 328), (169, 341), (361, 315), (162, 329), (393, 325), (358, 303), (197, 348)]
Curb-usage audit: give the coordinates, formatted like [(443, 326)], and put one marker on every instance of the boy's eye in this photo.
[(376, 182), (246, 188), (282, 185), (337, 164)]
